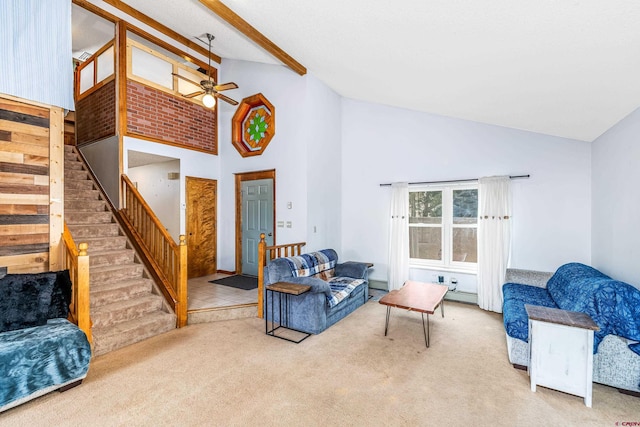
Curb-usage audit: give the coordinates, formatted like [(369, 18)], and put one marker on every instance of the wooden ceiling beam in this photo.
[(161, 28), (217, 7), (153, 39)]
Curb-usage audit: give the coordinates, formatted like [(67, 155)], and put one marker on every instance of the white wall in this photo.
[(380, 144), (192, 163), (322, 132), (104, 160), (161, 194), (307, 120), (615, 178)]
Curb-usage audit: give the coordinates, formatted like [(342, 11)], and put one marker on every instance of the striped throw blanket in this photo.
[(341, 287), (306, 265)]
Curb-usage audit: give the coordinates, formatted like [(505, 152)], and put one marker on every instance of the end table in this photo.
[(284, 291), (561, 350)]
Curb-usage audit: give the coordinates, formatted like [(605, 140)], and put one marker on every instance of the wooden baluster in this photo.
[(261, 264), (182, 283)]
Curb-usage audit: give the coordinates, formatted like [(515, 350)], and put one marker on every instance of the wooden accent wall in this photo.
[(156, 115), (31, 140), (96, 114)]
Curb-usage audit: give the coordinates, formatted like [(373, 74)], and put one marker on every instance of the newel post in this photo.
[(82, 291), (262, 261), (181, 307)]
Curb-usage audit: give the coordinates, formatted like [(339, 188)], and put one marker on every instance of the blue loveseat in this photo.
[(336, 289), (40, 350), (613, 305)]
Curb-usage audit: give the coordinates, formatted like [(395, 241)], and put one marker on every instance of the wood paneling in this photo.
[(24, 185)]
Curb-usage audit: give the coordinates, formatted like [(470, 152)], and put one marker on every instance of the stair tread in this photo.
[(118, 284), (92, 225), (133, 331), (106, 268), (129, 325), (124, 304), (112, 252), (84, 212), (93, 195), (94, 239)]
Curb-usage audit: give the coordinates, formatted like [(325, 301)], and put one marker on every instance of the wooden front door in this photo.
[(201, 200)]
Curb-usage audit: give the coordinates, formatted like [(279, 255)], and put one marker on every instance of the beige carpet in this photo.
[(230, 373)]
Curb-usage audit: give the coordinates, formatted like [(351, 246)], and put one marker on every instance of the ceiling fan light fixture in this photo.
[(208, 100)]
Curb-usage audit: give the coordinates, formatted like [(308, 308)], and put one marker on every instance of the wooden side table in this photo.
[(561, 350), (284, 291)]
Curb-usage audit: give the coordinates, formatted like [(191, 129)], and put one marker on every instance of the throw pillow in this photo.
[(25, 300)]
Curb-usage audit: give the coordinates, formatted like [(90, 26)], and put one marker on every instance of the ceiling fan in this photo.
[(209, 87)]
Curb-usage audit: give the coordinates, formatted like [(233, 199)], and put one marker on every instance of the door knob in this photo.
[(270, 234)]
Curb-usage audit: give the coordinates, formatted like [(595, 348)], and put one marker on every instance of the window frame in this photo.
[(447, 228)]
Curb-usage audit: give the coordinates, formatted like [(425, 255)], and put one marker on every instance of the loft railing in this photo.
[(267, 253), (166, 258), (76, 261)]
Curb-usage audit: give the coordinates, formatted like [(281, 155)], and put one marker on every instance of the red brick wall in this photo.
[(159, 115), (96, 114)]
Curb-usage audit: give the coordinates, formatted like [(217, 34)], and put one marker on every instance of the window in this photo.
[(443, 226)]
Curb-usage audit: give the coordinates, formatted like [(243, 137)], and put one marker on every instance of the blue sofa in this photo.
[(40, 350), (613, 305), (336, 289)]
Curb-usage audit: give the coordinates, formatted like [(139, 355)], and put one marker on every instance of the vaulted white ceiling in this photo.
[(568, 68)]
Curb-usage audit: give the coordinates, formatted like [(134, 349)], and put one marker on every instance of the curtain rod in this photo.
[(455, 180)]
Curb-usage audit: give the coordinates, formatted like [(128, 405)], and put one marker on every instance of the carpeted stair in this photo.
[(124, 307)]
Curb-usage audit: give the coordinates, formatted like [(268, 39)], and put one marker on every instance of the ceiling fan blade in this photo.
[(191, 95), (186, 79), (226, 98), (226, 86)]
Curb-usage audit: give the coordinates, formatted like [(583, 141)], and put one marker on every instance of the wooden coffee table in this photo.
[(416, 296)]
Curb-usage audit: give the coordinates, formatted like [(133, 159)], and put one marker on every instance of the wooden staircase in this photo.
[(125, 305)]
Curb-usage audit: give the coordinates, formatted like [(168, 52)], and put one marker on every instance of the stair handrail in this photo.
[(76, 260), (168, 259)]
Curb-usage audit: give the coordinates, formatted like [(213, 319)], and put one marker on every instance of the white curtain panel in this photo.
[(494, 239), (398, 271)]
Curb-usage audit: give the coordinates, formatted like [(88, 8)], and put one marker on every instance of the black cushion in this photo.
[(61, 296), (25, 300)]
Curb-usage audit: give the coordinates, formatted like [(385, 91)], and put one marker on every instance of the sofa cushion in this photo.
[(310, 264), (36, 358), (515, 296), (326, 274), (25, 300), (341, 287)]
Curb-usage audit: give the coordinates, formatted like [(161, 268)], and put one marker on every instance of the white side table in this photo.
[(561, 350)]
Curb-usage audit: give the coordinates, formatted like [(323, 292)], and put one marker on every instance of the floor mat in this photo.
[(239, 282)]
